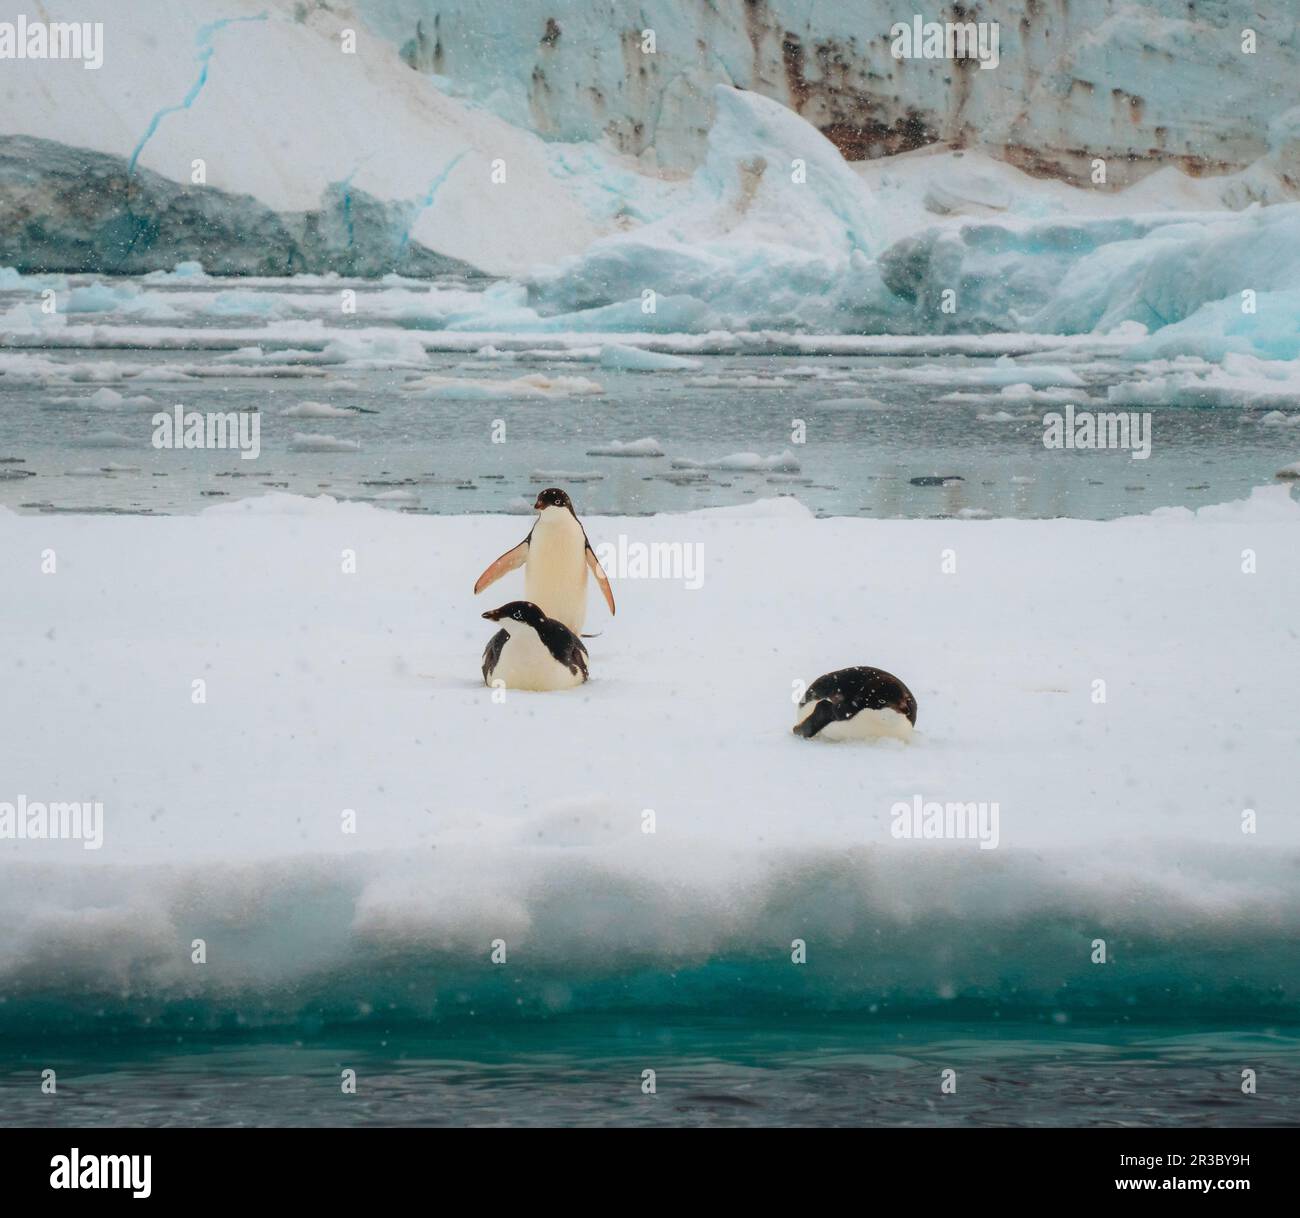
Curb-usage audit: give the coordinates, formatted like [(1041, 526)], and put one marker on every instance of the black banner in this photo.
[(167, 1166)]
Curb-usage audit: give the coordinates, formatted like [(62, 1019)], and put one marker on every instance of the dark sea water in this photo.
[(711, 1071)]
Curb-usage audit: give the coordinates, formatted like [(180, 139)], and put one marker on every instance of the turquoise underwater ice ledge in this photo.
[(381, 939)]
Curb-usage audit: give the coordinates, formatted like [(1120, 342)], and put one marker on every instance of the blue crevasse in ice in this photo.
[(204, 49)]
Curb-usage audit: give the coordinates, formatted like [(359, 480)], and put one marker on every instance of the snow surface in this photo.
[(522, 819)]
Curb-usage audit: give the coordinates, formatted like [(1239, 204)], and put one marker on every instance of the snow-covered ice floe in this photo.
[(647, 446), (1120, 820), (783, 462)]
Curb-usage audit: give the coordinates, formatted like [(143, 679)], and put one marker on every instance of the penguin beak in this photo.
[(539, 505), (493, 615)]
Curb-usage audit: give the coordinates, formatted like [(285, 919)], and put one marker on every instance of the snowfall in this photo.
[(1125, 692)]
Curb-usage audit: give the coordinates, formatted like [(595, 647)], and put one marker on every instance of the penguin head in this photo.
[(553, 497), (516, 614)]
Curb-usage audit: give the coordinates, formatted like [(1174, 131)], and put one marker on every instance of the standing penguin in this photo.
[(856, 704), (558, 555), (532, 651)]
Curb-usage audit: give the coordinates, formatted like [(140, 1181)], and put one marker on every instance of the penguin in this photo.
[(559, 556), (856, 704), (532, 651)]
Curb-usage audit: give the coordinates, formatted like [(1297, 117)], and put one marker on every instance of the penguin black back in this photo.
[(845, 693)]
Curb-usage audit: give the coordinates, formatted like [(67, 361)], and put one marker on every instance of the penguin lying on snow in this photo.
[(558, 555), (856, 704), (532, 651)]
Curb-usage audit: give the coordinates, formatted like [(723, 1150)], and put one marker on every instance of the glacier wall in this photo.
[(1141, 83), (83, 211), (770, 165), (260, 95)]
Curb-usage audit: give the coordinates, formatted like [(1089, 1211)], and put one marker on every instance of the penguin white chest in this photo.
[(882, 724), (555, 578), (526, 663)]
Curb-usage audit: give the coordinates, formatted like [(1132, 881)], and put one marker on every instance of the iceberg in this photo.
[(775, 230)]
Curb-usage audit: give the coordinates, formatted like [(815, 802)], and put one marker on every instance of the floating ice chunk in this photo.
[(381, 349), (28, 319), (744, 381), (164, 373), (1022, 391), (244, 304), (1002, 371), (98, 298), (302, 443), (19, 368), (188, 272), (783, 462), (646, 447), (107, 439), (1024, 395), (637, 359), (1289, 471), (535, 385), (103, 399), (1241, 380), (554, 477), (317, 410)]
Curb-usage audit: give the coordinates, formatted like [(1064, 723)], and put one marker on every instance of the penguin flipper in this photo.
[(601, 578), (503, 566), (492, 654)]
